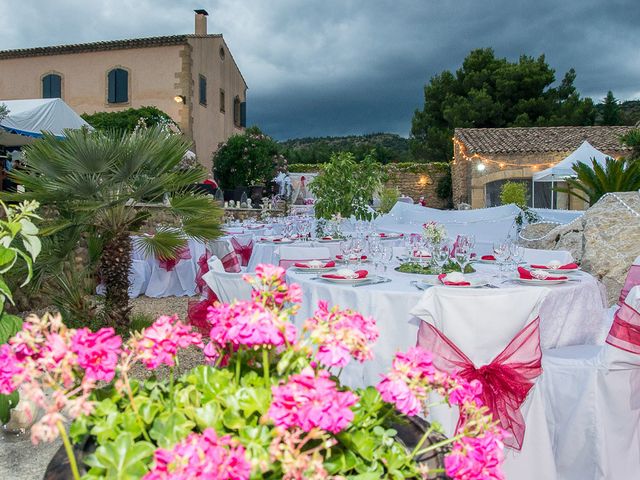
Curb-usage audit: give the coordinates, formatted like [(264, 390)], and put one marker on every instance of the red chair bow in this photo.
[(625, 331), (633, 279), (231, 262), (243, 251), (203, 267), (169, 264), (506, 381)]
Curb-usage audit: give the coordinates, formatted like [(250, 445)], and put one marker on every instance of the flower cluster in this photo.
[(201, 456), (406, 384), (434, 232), (309, 400), (341, 335), (45, 355), (158, 344), (291, 448), (271, 290), (476, 457)]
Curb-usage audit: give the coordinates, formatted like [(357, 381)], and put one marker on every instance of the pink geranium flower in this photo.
[(205, 456), (10, 367), (476, 458), (311, 401), (158, 344), (97, 352)]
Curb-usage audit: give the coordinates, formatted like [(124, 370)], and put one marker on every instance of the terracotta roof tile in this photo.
[(99, 46), (540, 139)]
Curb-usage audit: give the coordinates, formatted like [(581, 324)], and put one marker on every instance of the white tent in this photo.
[(27, 120), (564, 169)]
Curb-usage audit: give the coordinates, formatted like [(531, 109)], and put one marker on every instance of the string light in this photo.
[(500, 163)]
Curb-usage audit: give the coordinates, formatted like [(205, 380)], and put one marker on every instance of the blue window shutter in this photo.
[(56, 86), (46, 86), (203, 90), (111, 96), (243, 114), (122, 86)]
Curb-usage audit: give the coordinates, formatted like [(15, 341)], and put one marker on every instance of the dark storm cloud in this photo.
[(337, 67)]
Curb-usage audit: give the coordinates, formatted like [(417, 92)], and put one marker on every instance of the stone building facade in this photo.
[(193, 78), (484, 158)]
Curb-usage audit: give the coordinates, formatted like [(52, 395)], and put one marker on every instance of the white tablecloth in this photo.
[(571, 314)]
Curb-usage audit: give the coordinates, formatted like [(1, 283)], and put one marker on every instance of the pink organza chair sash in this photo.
[(203, 267), (625, 331), (231, 262), (633, 279), (506, 381), (243, 251), (169, 264)]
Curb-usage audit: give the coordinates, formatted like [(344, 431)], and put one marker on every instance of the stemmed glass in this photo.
[(501, 250), (517, 254), (345, 249), (440, 256), (357, 247), (387, 256), (462, 256)]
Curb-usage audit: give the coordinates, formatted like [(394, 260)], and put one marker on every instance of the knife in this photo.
[(371, 282)]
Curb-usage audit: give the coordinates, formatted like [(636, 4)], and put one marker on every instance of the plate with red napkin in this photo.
[(539, 277), (276, 240), (486, 259), (458, 280), (556, 267), (328, 239), (315, 266), (390, 236), (346, 275)]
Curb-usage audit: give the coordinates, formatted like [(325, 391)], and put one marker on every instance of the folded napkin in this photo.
[(306, 265), (568, 266), (263, 239), (527, 275), (340, 257), (421, 254), (359, 274), (383, 235), (442, 277), (489, 258), (327, 238)]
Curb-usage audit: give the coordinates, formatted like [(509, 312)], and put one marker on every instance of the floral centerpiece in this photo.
[(269, 404), (434, 232)]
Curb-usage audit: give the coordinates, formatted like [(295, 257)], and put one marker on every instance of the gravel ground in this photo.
[(20, 460)]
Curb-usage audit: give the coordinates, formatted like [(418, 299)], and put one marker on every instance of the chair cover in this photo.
[(243, 246), (139, 275), (294, 253), (493, 337), (228, 286), (535, 256), (593, 399)]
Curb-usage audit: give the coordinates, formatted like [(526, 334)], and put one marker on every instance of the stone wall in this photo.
[(605, 240)]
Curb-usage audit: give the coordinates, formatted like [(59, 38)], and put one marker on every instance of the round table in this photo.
[(571, 314)]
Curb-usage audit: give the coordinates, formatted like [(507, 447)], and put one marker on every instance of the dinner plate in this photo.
[(475, 282), (313, 269), (279, 242), (347, 280), (328, 240), (535, 281), (390, 236), (487, 262)]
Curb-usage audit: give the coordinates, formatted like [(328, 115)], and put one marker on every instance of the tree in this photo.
[(3, 111), (593, 181), (130, 119), (96, 186), (610, 110), (493, 92)]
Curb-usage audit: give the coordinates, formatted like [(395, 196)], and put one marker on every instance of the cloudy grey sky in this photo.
[(337, 67)]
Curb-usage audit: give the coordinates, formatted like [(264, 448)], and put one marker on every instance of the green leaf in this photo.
[(122, 459), (7, 402), (32, 244), (208, 416), (28, 228), (233, 420), (7, 256), (29, 263), (5, 291), (170, 427), (9, 326)]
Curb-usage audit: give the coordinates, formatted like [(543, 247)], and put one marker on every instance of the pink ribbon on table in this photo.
[(243, 251), (231, 262), (633, 279), (625, 330), (169, 264), (506, 381)]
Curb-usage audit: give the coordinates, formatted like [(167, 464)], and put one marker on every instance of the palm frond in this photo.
[(164, 244)]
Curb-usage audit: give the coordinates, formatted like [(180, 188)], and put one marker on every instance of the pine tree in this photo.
[(610, 110)]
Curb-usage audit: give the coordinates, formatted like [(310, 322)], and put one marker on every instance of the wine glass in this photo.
[(357, 247), (502, 253), (387, 256), (517, 253), (345, 249), (440, 256), (462, 256)]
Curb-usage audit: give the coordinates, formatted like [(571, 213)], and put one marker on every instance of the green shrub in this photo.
[(127, 120), (388, 198), (514, 192), (245, 160)]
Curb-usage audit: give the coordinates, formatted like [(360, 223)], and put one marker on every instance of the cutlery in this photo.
[(372, 282), (420, 286)]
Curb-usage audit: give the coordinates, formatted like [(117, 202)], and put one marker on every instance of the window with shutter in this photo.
[(118, 86), (52, 86), (236, 111), (222, 100), (243, 114), (203, 90)]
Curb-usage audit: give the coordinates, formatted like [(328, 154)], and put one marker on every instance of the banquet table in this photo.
[(571, 314)]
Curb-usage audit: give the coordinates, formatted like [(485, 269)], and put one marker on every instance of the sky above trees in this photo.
[(339, 67)]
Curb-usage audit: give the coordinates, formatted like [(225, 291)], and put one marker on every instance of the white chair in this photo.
[(179, 281), (484, 326), (294, 253), (227, 286), (542, 257), (593, 402)]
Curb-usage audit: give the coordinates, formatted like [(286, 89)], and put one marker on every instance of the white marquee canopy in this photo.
[(564, 169)]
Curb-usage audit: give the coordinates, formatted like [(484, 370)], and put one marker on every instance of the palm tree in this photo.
[(98, 187), (592, 182)]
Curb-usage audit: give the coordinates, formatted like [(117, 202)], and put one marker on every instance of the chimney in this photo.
[(201, 22)]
